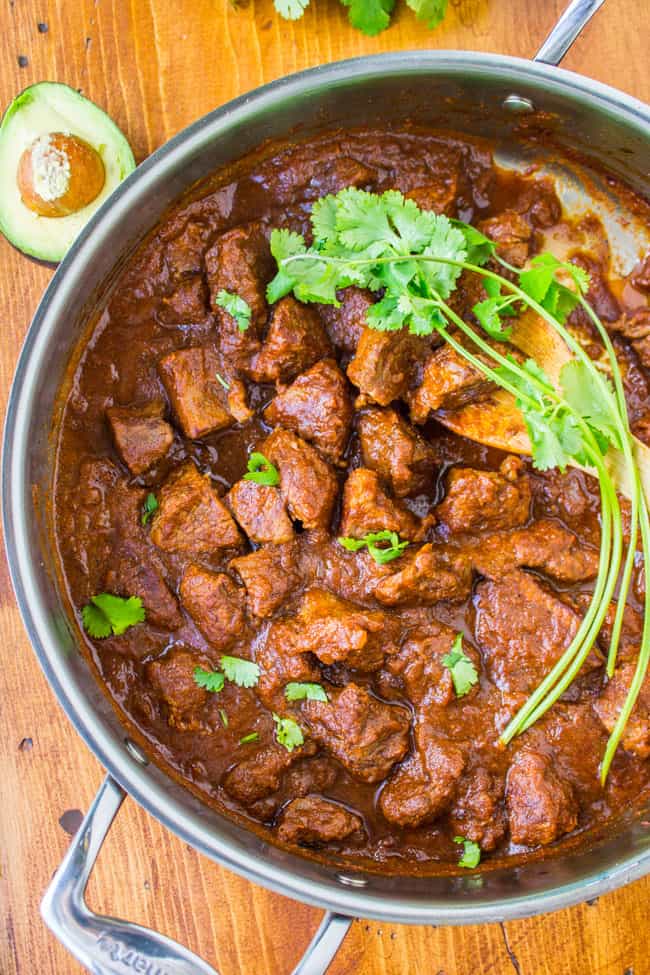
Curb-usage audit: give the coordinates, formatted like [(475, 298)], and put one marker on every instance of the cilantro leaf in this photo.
[(288, 732), (369, 16), (253, 736), (261, 470), (291, 9), (582, 392), (381, 553), (479, 247), (284, 244), (244, 673), (106, 614), (236, 306), (488, 313), (211, 680), (463, 671), (431, 11), (304, 692), (471, 853), (149, 507), (539, 281)]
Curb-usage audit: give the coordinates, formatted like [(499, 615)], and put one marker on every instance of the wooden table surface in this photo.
[(155, 66)]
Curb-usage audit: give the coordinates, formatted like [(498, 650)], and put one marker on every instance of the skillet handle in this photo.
[(108, 946), (570, 24)]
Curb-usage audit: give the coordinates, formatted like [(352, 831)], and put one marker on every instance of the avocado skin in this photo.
[(53, 106)]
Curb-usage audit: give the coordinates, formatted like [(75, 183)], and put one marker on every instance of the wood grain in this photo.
[(155, 66)]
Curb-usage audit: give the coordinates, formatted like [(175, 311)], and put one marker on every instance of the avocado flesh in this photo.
[(44, 108)]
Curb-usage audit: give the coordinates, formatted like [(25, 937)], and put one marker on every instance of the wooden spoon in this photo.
[(496, 421)]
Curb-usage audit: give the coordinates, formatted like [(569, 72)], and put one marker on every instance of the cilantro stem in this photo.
[(641, 665)]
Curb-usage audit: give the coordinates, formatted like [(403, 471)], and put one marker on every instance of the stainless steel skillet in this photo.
[(485, 95)]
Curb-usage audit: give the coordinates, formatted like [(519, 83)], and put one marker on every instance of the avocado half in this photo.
[(45, 108)]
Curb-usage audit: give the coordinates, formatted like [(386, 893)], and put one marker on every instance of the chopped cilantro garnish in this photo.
[(235, 306), (288, 732), (149, 507), (304, 692), (463, 671), (471, 853), (106, 614), (291, 9), (261, 470), (248, 738), (375, 543), (244, 673), (211, 680), (224, 717), (222, 382)]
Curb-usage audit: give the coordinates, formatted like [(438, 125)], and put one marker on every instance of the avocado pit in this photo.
[(59, 174)]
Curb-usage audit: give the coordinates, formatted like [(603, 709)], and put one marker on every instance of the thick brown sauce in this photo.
[(118, 366)]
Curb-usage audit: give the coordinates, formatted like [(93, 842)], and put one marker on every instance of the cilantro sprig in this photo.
[(471, 856), (149, 508), (371, 16), (261, 470), (305, 692), (236, 306), (107, 615), (412, 259), (288, 732), (238, 671), (383, 546), (463, 672)]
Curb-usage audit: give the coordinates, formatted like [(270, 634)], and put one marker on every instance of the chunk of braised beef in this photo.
[(197, 397), (544, 545), (317, 407), (135, 571), (311, 775), (366, 507), (540, 203), (540, 802), (346, 322), (418, 664), (635, 326), (438, 196), (608, 706), (428, 574), (282, 660), (308, 484), (365, 734), (600, 295), (215, 604), (142, 436), (312, 821), (479, 501), (172, 675), (187, 304), (477, 812), (191, 519), (424, 785), (384, 364), (391, 447), (260, 512), (522, 630), (512, 235), (240, 263), (448, 382), (337, 631), (295, 341), (259, 774), (269, 574)]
